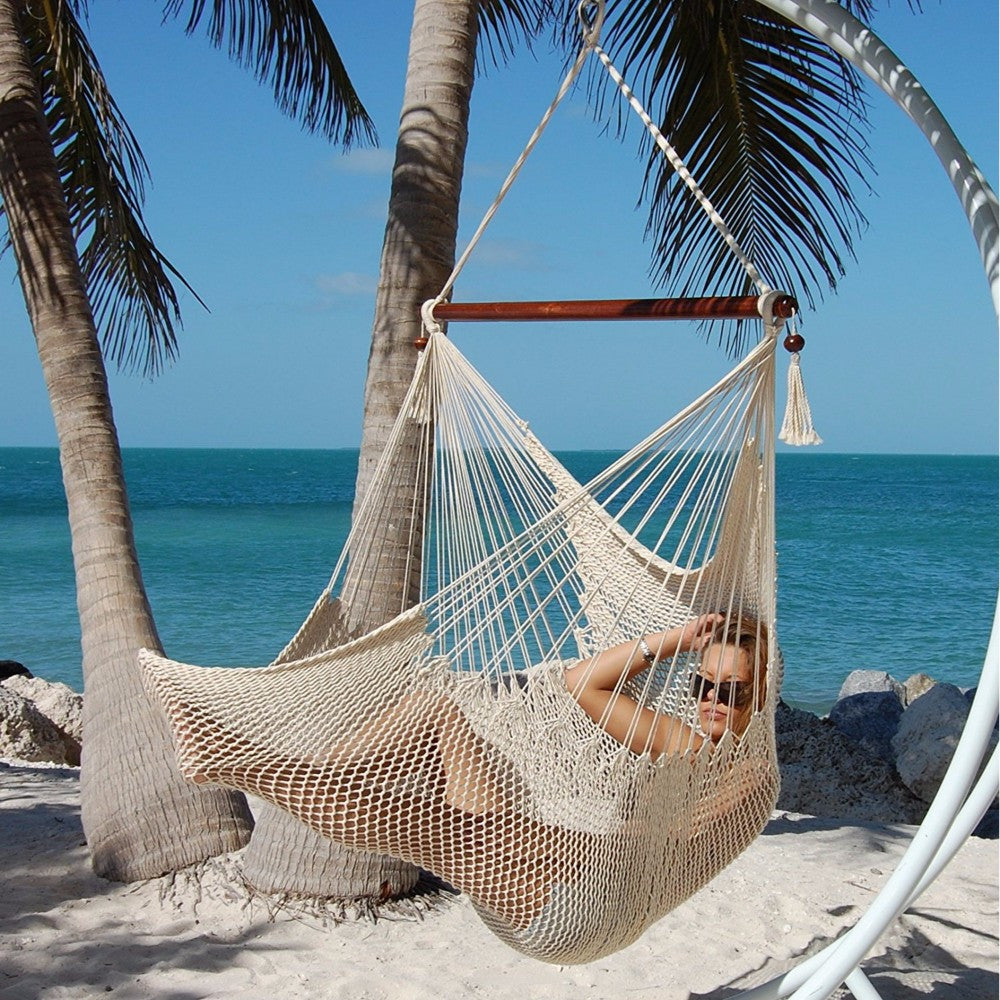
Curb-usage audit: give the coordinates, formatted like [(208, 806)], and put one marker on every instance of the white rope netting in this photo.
[(448, 737)]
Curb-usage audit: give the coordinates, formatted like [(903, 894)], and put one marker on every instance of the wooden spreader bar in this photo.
[(718, 307)]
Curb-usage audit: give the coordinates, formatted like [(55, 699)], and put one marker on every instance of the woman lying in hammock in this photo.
[(728, 688), (423, 779)]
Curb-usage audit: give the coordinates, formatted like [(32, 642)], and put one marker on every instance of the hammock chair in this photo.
[(447, 736)]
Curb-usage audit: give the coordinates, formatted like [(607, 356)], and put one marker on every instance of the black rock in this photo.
[(825, 773), (989, 826), (11, 668), (870, 718)]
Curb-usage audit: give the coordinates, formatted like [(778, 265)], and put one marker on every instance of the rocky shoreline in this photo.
[(881, 753), (40, 721), (879, 756)]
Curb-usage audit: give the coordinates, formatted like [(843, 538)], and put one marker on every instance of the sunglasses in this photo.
[(737, 694)]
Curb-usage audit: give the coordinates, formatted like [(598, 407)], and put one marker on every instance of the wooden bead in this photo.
[(794, 343), (785, 307)]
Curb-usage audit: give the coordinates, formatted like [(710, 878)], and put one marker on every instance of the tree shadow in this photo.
[(62, 926), (872, 836), (114, 958), (43, 854)]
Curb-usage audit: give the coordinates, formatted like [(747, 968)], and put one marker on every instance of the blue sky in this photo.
[(281, 234)]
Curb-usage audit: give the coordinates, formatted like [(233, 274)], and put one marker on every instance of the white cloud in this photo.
[(365, 161), (513, 254), (494, 170), (346, 283)]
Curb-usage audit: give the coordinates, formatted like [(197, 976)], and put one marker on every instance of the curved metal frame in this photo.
[(955, 810)]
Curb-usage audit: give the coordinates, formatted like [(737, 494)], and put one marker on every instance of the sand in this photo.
[(64, 932)]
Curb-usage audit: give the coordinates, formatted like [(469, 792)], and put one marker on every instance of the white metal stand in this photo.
[(961, 800)]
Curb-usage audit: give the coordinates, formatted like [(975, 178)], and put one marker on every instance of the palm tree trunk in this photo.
[(417, 256), (140, 818)]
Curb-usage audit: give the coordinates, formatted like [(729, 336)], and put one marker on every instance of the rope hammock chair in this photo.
[(448, 737)]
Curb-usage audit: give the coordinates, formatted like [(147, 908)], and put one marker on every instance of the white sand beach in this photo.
[(65, 933)]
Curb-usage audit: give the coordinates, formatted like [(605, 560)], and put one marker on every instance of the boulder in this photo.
[(866, 681), (10, 668), (915, 685), (59, 703), (989, 825), (825, 773), (927, 736), (25, 733), (970, 696), (871, 719)]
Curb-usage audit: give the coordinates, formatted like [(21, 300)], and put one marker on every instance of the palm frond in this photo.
[(770, 122), (505, 23), (287, 44), (103, 175)]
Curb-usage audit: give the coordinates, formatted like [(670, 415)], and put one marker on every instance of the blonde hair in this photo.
[(749, 635)]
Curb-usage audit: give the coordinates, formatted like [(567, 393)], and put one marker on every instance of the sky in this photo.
[(280, 235)]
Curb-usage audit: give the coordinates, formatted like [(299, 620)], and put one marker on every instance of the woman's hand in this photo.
[(696, 634), (596, 684)]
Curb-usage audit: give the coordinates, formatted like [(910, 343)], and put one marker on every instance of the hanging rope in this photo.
[(591, 16)]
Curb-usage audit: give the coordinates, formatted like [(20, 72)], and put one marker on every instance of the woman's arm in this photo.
[(593, 684)]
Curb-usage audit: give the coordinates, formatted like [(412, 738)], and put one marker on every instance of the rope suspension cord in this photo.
[(591, 15)]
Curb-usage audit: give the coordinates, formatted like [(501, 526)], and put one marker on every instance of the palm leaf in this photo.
[(770, 122), (287, 44), (503, 24), (130, 283), (103, 176)]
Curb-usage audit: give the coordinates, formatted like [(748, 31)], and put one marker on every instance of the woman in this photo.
[(568, 911), (424, 780), (728, 687)]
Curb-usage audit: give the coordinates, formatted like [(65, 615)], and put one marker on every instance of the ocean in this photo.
[(886, 562)]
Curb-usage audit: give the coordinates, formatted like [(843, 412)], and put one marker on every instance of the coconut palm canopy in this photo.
[(769, 120)]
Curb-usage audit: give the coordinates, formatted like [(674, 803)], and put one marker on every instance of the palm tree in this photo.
[(417, 256), (71, 172), (769, 120)]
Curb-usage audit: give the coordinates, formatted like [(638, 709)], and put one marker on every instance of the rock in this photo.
[(60, 704), (871, 719), (915, 685), (989, 825), (927, 736), (970, 696), (10, 668), (25, 733), (824, 773), (866, 681)]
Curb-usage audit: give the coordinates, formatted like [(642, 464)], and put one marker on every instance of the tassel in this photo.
[(797, 427)]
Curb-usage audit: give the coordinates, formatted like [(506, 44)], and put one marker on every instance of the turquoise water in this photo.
[(885, 561)]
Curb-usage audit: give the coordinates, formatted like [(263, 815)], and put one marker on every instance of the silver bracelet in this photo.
[(647, 653)]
